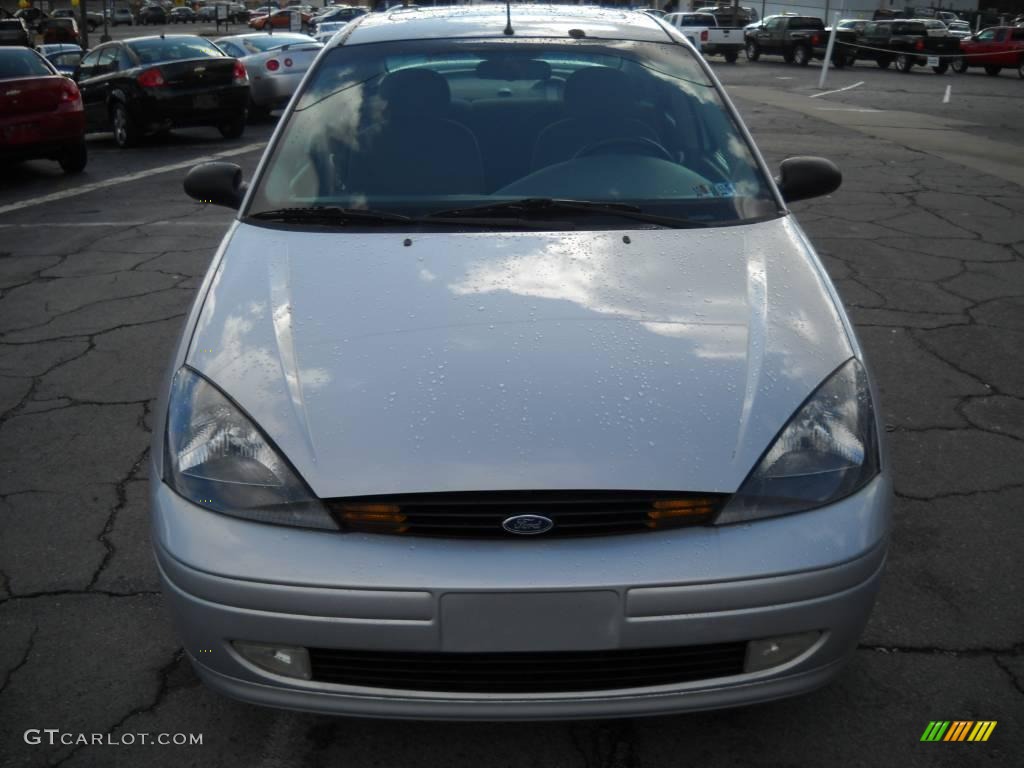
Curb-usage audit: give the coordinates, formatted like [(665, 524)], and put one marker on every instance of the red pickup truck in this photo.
[(993, 48)]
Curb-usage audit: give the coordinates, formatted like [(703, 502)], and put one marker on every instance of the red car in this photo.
[(993, 48), (281, 19), (41, 114)]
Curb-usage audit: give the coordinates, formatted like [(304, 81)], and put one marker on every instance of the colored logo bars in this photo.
[(958, 730)]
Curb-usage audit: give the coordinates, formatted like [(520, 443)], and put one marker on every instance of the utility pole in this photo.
[(84, 31)]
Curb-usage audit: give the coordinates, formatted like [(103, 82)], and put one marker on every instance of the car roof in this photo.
[(489, 21)]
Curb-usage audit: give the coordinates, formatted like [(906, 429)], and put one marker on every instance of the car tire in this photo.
[(992, 70), (801, 55), (730, 58), (257, 112), (941, 69), (74, 159), (126, 132), (883, 63), (753, 51), (904, 63), (787, 56), (960, 65), (232, 129), (1020, 69), (839, 59)]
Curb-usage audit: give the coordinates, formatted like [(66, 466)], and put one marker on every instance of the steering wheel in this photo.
[(640, 144)]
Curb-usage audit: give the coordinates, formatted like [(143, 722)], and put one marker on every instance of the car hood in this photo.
[(577, 360)]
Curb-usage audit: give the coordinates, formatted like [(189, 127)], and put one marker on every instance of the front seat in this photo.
[(598, 104), (416, 149)]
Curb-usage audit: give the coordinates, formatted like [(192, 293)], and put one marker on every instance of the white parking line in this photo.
[(945, 99), (86, 188), (837, 90)]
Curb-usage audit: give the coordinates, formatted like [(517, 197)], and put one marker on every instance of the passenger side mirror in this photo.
[(216, 183), (801, 178)]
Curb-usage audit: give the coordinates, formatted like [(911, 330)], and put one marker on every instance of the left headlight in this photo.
[(217, 458), (827, 451)]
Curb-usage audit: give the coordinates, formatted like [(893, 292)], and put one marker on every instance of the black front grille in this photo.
[(481, 514), (547, 672)]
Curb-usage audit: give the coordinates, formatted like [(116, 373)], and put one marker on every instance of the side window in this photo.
[(1000, 35), (89, 63), (108, 60), (231, 49), (124, 60), (987, 36), (773, 25), (1018, 34)]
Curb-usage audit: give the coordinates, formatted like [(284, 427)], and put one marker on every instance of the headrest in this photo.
[(598, 89), (415, 92)]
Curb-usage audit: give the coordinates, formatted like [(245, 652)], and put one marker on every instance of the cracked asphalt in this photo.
[(928, 255)]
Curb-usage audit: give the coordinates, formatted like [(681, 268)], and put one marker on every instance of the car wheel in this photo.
[(960, 64), (74, 158), (904, 63), (126, 132), (941, 69), (839, 59), (801, 55), (232, 129), (787, 56), (731, 57), (753, 52), (883, 63), (992, 69)]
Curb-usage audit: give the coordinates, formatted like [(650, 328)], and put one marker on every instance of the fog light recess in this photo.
[(773, 651), (286, 660)]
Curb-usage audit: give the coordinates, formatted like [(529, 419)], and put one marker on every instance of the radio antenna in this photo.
[(508, 18)]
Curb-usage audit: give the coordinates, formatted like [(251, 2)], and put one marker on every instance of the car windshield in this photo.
[(154, 50), (268, 42), (21, 62), (423, 127)]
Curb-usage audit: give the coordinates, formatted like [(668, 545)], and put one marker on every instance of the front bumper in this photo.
[(227, 580)]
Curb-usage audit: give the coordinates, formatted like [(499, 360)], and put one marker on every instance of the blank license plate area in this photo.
[(205, 101), (933, 61), (537, 621)]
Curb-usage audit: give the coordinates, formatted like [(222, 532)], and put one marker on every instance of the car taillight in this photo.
[(69, 93), (703, 35), (815, 40), (919, 45), (240, 75), (287, 62), (273, 65), (151, 78)]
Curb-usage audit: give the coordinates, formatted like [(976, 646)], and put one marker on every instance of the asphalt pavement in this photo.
[(927, 251)]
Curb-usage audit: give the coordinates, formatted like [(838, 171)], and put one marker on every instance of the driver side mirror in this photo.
[(216, 183), (801, 178)]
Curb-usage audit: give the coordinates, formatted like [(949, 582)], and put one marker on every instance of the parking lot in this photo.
[(925, 243)]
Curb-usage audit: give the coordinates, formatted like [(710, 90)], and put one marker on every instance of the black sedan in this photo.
[(152, 14), (152, 84), (182, 15)]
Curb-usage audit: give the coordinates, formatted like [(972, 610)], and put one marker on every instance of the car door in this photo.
[(770, 34), (1000, 46), (92, 96)]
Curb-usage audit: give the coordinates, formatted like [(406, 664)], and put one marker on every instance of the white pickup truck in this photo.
[(707, 37)]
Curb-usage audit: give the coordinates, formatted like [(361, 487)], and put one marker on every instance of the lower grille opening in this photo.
[(533, 672)]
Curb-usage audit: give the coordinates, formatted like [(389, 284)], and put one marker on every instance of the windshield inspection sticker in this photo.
[(702, 190), (725, 190)]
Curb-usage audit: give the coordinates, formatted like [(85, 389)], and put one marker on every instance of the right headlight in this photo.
[(827, 451)]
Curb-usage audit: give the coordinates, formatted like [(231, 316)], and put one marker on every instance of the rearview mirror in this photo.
[(801, 178), (216, 183)]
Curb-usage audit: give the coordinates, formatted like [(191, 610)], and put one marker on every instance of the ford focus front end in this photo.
[(515, 392)]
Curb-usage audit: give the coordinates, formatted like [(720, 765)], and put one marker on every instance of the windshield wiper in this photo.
[(528, 206), (331, 215), (325, 214)]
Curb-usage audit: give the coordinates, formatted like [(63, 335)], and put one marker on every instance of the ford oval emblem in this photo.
[(528, 525)]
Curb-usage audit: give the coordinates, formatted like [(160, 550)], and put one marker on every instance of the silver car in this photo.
[(515, 391), (276, 64)]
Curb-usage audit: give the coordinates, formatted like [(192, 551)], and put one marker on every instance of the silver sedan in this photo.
[(276, 64), (515, 391)]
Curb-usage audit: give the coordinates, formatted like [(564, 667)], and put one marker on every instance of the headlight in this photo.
[(827, 451), (217, 458)]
